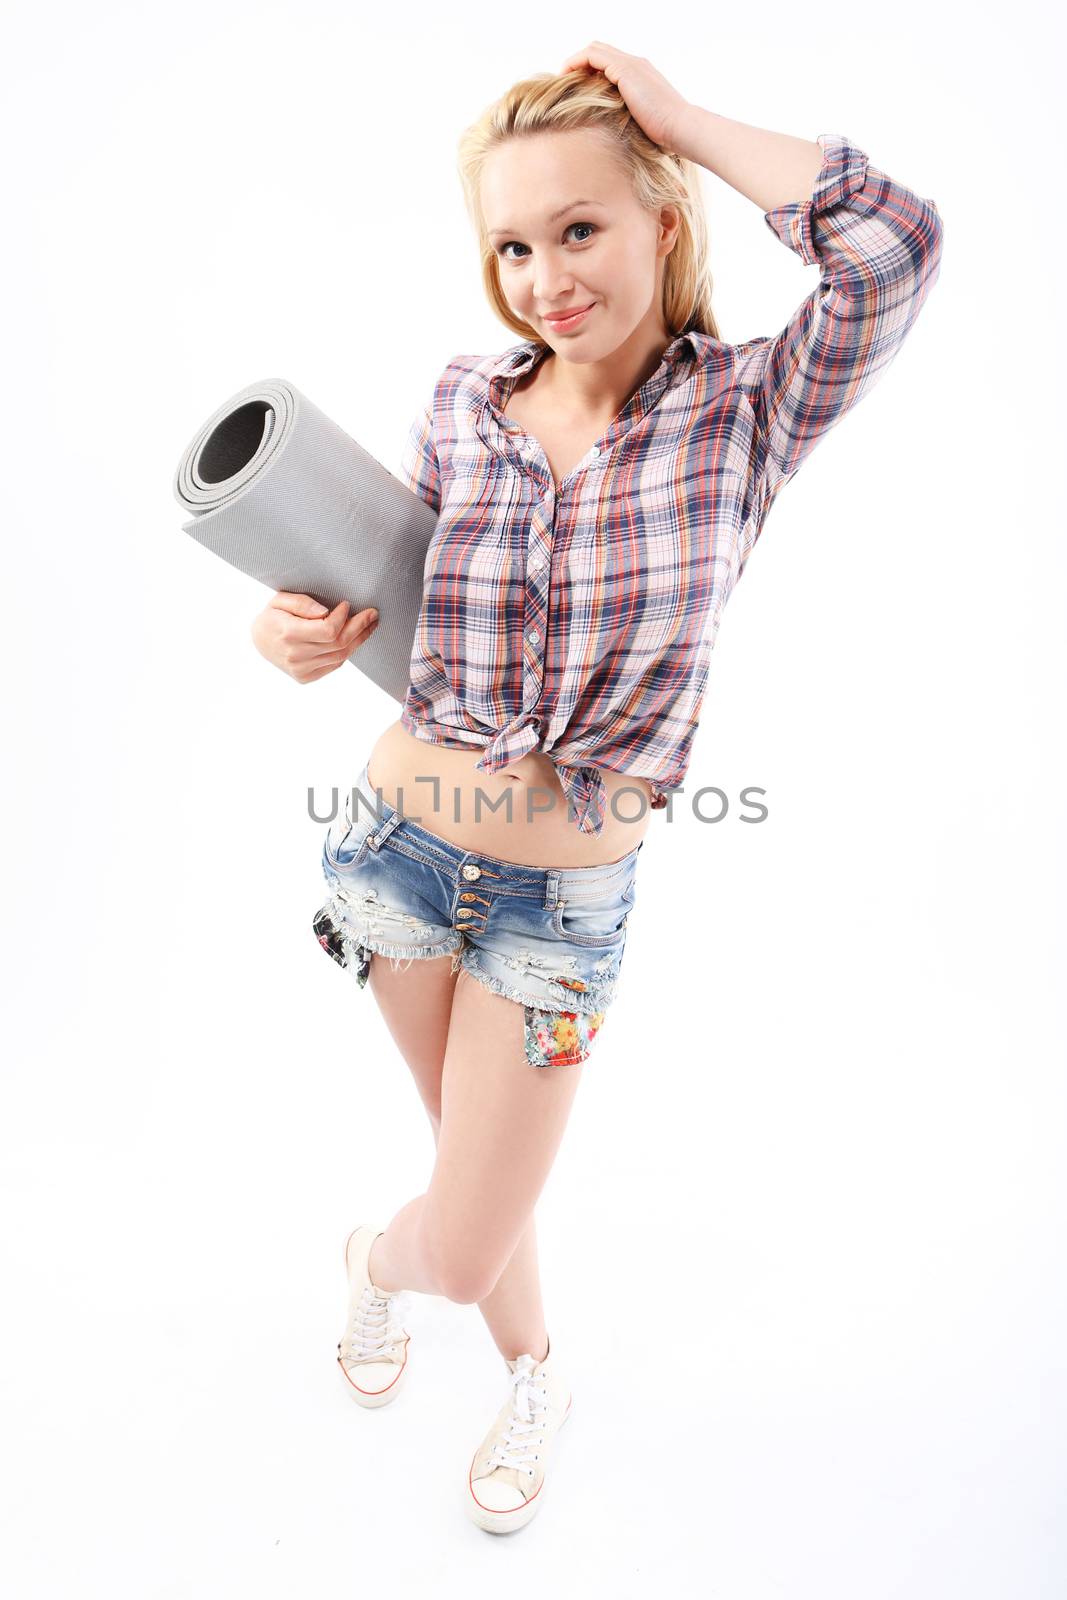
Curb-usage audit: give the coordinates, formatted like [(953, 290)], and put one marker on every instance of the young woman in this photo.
[(600, 487)]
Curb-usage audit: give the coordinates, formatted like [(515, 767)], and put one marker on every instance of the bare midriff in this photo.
[(536, 828)]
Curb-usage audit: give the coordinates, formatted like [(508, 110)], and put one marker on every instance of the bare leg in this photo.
[(416, 1004), (513, 1310), (501, 1126)]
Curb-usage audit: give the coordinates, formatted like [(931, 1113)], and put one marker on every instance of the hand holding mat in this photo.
[(283, 494)]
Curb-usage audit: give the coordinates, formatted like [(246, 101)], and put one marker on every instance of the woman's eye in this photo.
[(504, 248)]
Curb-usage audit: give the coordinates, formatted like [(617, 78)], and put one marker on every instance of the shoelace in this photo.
[(529, 1407), (374, 1326)]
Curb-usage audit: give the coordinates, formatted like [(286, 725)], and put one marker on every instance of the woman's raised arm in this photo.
[(878, 247)]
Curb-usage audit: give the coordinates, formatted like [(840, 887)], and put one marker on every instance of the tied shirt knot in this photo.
[(582, 784)]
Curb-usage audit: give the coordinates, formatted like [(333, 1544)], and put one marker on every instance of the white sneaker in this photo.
[(507, 1476), (373, 1354)]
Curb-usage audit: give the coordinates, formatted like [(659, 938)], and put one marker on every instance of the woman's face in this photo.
[(606, 251)]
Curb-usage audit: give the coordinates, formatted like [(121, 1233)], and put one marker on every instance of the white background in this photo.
[(802, 1247)]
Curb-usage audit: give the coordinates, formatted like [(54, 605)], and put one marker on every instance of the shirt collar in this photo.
[(504, 372)]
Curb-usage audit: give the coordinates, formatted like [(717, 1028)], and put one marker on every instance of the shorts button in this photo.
[(464, 912), (468, 897), (472, 872)]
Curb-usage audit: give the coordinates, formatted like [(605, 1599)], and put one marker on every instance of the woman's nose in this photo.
[(551, 284)]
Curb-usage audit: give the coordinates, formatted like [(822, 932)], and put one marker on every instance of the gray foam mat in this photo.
[(279, 491)]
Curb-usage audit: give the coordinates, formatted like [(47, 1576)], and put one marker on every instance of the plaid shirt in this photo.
[(579, 620)]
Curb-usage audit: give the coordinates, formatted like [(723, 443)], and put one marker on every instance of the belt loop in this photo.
[(551, 889), (379, 835)]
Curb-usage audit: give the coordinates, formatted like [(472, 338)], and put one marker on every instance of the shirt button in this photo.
[(595, 450), (533, 635)]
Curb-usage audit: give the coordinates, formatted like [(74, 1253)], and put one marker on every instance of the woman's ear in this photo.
[(670, 220)]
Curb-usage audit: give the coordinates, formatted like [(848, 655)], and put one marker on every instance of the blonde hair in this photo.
[(551, 102)]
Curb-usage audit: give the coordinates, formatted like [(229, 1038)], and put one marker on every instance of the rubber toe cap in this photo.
[(495, 1493), (371, 1377)]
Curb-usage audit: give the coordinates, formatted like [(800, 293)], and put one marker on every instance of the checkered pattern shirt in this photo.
[(579, 619)]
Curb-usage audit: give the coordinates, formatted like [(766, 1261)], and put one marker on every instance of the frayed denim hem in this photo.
[(357, 953), (398, 952), (587, 1001), (349, 911)]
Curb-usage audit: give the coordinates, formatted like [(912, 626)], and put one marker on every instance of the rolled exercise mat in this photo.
[(282, 493)]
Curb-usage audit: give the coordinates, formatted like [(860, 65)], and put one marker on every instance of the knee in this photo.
[(464, 1281), (466, 1290), (460, 1272)]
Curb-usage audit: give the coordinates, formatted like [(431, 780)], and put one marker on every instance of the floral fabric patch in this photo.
[(336, 943), (559, 1038)]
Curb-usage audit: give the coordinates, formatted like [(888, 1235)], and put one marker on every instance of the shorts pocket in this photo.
[(347, 842), (597, 919)]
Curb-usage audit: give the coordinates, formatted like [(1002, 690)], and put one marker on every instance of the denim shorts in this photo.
[(551, 939)]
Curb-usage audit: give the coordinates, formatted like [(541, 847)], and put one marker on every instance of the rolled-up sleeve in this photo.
[(878, 248), (419, 466)]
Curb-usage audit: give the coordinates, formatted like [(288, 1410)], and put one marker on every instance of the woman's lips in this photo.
[(571, 321)]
